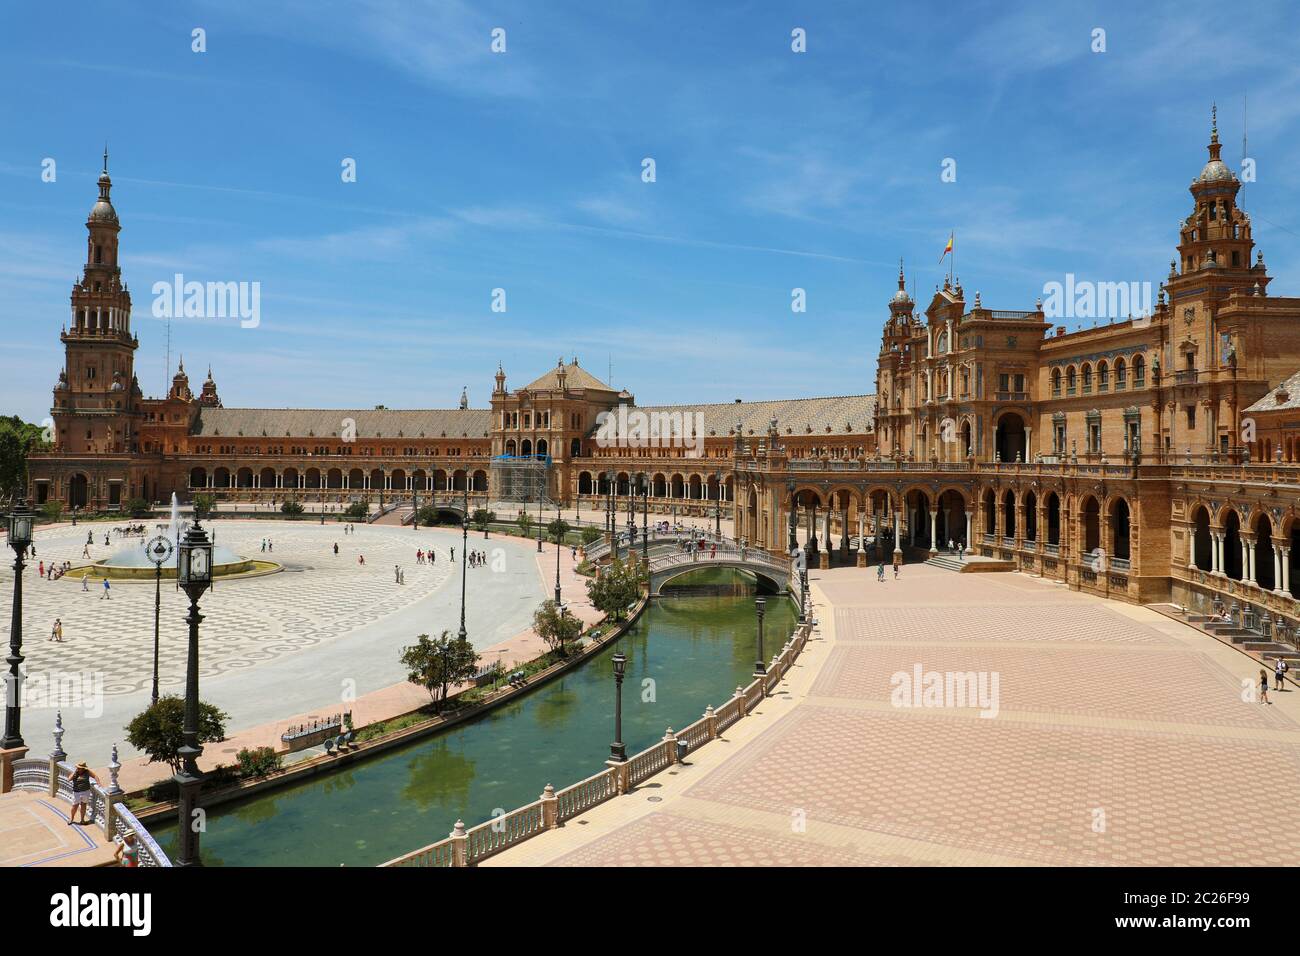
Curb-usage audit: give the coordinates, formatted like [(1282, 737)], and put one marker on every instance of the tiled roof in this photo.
[(844, 414), (575, 376), (1271, 402), (329, 422)]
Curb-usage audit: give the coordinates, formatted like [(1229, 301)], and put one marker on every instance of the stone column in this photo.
[(934, 518), (1286, 569), (968, 530), (1214, 552), (1277, 569), (862, 546), (898, 536), (1247, 562), (1191, 546)]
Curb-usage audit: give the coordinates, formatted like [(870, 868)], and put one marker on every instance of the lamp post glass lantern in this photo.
[(193, 576), (20, 522)]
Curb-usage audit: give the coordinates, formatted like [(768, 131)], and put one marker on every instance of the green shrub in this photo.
[(590, 535), (358, 509), (138, 508), (258, 762), (291, 508), (203, 506)]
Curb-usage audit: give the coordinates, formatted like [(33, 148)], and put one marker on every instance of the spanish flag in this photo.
[(948, 248)]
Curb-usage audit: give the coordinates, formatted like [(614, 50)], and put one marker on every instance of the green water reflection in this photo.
[(686, 651)]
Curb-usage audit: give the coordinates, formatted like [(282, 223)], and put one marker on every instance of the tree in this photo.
[(358, 509), (618, 586), (482, 518), (203, 506), (17, 439), (438, 664), (557, 529), (555, 626), (525, 522), (291, 508), (137, 508), (591, 534), (427, 515), (158, 730)]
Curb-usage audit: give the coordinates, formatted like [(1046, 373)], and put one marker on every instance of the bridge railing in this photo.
[(53, 777), (469, 847)]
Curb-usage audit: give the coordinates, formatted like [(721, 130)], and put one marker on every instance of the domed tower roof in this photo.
[(901, 302), (103, 210), (1215, 170), (208, 396)]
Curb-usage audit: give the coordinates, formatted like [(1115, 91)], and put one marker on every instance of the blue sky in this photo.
[(522, 171)]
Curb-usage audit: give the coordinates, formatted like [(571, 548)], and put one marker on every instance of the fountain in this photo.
[(132, 561)]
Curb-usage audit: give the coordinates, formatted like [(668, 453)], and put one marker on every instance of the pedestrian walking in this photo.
[(40, 569), (1279, 673), (106, 596), (1263, 687), (56, 632), (336, 547), (880, 572)]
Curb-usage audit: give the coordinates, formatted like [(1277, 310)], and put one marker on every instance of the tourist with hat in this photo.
[(82, 793)]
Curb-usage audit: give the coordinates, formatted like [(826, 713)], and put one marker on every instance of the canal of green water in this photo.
[(689, 649)]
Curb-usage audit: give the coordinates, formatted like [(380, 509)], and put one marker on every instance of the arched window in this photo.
[(1121, 374), (1070, 380), (1056, 382), (1103, 376), (1139, 371), (1087, 377)]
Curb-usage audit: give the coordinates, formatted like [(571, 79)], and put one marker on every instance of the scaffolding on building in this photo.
[(521, 480)]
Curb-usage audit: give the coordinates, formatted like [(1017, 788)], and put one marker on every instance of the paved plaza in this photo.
[(1117, 737), (310, 638)]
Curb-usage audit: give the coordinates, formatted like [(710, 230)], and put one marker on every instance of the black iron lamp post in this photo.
[(558, 547), (193, 576), (717, 507), (760, 605), (631, 520), (617, 750), (611, 518), (645, 518), (158, 551), (21, 520), (464, 564)]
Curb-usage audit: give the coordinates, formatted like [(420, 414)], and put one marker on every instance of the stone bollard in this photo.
[(550, 808), (712, 720), (459, 844), (670, 746)]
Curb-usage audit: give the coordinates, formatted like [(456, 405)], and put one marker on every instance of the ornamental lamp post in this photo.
[(617, 750), (717, 508), (193, 576), (464, 565), (645, 519), (21, 519), (760, 606), (158, 551), (558, 548)]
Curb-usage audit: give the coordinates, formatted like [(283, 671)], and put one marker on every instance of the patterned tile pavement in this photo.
[(1121, 738)]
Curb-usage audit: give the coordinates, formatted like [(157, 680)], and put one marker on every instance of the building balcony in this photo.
[(1012, 396)]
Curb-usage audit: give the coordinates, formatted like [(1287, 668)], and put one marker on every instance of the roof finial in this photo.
[(105, 156), (901, 283), (1214, 122)]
